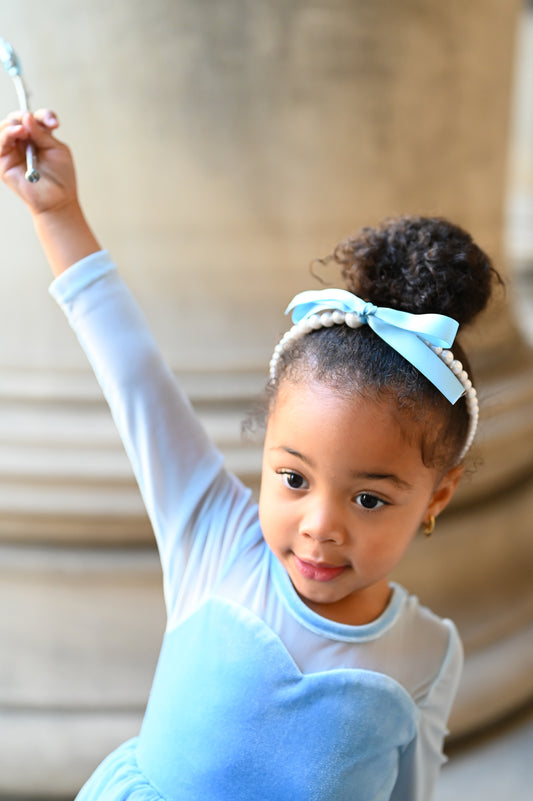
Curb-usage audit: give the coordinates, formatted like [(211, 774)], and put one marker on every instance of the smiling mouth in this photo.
[(318, 571)]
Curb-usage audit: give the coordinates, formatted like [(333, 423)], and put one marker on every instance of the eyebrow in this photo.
[(392, 477), (292, 452), (367, 475)]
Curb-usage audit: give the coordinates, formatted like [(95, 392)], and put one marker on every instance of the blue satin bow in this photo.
[(403, 331)]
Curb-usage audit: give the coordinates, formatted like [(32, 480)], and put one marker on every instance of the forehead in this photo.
[(313, 416)]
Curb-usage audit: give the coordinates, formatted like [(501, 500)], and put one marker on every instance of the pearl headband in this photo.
[(423, 339)]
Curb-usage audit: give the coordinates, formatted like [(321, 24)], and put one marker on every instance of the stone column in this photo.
[(220, 147)]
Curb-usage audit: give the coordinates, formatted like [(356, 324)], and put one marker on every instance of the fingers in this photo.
[(14, 118), (44, 116), (19, 128), (12, 131), (12, 121), (24, 125), (40, 126), (47, 118)]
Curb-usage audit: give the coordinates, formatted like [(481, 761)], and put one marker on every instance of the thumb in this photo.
[(39, 127), (47, 117)]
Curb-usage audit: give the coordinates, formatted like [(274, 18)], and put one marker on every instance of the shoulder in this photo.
[(432, 653)]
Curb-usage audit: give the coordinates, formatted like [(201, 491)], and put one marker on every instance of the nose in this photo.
[(323, 522)]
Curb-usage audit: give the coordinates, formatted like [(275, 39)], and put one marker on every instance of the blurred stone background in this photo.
[(221, 146)]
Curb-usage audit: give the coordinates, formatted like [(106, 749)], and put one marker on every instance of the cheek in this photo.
[(265, 493), (272, 532), (275, 517), (387, 549), (267, 512)]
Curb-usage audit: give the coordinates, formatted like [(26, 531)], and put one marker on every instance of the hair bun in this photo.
[(419, 265)]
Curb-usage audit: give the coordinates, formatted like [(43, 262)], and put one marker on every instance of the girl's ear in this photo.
[(444, 491)]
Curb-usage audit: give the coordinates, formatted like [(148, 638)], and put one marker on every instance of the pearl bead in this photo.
[(352, 320)]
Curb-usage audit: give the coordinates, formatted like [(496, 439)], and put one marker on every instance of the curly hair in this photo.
[(419, 265)]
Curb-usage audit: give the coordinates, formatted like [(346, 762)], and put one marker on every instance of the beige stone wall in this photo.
[(244, 138), (220, 147)]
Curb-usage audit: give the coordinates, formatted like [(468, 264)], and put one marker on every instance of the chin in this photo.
[(317, 595)]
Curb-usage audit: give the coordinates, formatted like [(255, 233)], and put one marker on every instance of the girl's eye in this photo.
[(368, 501), (293, 480)]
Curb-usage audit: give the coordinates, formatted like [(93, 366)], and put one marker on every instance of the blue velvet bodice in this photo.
[(231, 717)]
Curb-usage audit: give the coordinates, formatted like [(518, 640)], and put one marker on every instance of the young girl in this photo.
[(292, 669)]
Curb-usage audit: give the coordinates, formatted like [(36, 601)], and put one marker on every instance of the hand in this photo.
[(58, 219), (56, 188)]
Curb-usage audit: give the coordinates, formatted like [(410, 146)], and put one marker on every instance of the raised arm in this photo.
[(176, 465), (53, 200)]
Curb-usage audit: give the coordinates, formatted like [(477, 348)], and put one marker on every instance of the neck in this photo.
[(357, 609)]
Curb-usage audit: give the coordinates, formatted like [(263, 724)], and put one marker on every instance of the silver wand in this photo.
[(12, 66)]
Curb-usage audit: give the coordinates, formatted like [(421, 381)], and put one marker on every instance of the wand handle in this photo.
[(32, 173)]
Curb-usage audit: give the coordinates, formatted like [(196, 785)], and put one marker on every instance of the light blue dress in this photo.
[(255, 696)]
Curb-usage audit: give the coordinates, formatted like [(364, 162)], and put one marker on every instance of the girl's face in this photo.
[(343, 493)]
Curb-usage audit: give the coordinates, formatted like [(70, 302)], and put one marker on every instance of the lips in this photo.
[(318, 571)]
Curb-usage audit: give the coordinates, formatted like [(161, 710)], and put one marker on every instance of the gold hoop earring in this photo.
[(429, 526)]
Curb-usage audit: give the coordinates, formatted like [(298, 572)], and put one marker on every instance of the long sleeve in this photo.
[(177, 467), (421, 762)]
